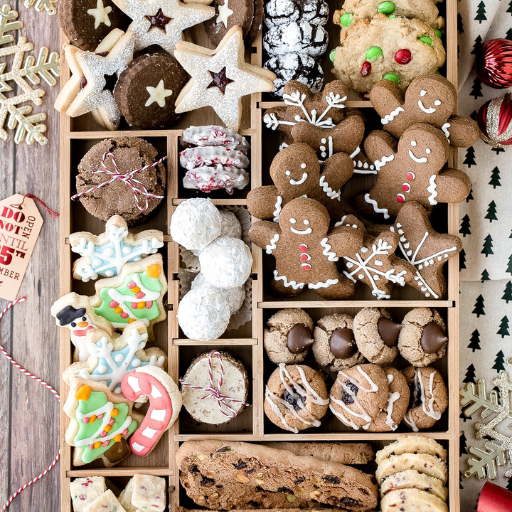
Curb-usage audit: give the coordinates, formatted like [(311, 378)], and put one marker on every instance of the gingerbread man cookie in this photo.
[(411, 171), (306, 251), (317, 119), (374, 262), (296, 172), (430, 99)]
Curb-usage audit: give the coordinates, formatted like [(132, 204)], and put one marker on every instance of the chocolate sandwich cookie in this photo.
[(87, 22), (229, 13), (147, 90), (257, 22)]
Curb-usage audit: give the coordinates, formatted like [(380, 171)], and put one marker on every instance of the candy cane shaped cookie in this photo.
[(164, 405)]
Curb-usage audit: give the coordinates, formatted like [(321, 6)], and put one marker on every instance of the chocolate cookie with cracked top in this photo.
[(229, 13), (295, 397), (147, 89), (398, 401), (87, 22), (359, 395), (287, 338), (422, 339), (118, 198), (429, 397), (334, 347), (282, 12), (376, 335)]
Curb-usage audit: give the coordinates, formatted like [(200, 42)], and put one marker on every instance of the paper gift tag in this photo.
[(20, 225)]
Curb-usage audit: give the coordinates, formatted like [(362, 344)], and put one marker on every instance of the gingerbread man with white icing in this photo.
[(429, 99), (306, 251), (411, 170), (296, 172)]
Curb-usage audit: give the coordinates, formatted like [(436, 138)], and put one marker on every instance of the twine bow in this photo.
[(214, 391), (128, 178)]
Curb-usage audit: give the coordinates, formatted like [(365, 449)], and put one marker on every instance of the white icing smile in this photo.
[(423, 159), (298, 182), (306, 231), (429, 110)]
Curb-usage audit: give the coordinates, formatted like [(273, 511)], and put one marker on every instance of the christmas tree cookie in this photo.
[(100, 423), (112, 358), (106, 254), (135, 294)]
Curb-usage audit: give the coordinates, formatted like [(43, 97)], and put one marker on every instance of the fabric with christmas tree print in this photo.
[(100, 423)]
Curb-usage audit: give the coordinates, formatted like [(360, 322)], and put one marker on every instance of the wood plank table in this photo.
[(29, 436)]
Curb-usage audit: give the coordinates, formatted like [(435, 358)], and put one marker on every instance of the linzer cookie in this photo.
[(422, 339), (394, 48), (295, 397), (412, 170), (287, 337), (220, 371), (147, 90), (229, 13), (87, 22), (334, 347), (121, 176), (376, 335), (430, 99)]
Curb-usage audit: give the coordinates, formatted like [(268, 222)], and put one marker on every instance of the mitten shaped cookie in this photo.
[(411, 171), (296, 172), (430, 99), (317, 119), (306, 251), (374, 262)]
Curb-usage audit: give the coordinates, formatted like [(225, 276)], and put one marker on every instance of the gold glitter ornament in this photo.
[(495, 121)]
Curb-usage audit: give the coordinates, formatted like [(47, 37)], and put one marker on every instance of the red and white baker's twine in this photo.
[(213, 392), (47, 386), (128, 178)]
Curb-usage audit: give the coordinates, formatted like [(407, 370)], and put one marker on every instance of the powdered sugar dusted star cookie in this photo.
[(425, 248), (220, 77), (162, 22)]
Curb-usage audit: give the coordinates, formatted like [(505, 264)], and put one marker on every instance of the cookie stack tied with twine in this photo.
[(412, 474)]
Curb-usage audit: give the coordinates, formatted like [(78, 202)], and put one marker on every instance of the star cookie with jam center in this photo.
[(220, 77)]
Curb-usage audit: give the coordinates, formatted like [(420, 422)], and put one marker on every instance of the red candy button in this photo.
[(306, 266), (366, 69), (403, 56), (406, 187), (305, 257), (410, 176), (303, 247), (400, 198)]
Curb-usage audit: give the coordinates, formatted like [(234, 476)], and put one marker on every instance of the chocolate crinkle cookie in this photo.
[(118, 198), (296, 37), (282, 12), (335, 347), (295, 397), (376, 335), (422, 339), (287, 338)]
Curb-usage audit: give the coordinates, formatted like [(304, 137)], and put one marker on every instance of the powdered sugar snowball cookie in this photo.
[(295, 397), (287, 337), (295, 66), (216, 177), (334, 347), (230, 225), (283, 12), (359, 394), (422, 339), (398, 401), (200, 403), (226, 262), (203, 314), (429, 397), (376, 335), (195, 223), (235, 296)]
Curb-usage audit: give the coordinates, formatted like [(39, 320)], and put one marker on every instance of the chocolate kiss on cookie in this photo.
[(299, 339), (432, 338), (342, 343), (388, 331)]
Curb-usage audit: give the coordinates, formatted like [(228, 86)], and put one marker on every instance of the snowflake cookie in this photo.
[(220, 77), (106, 254), (112, 358), (306, 251), (411, 170), (374, 262), (425, 248)]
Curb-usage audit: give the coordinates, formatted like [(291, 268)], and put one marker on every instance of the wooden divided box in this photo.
[(246, 343)]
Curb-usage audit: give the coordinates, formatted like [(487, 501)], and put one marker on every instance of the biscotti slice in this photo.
[(273, 470), (340, 453)]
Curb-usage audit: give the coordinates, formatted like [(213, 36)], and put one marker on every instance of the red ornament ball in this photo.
[(494, 63), (494, 120)]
